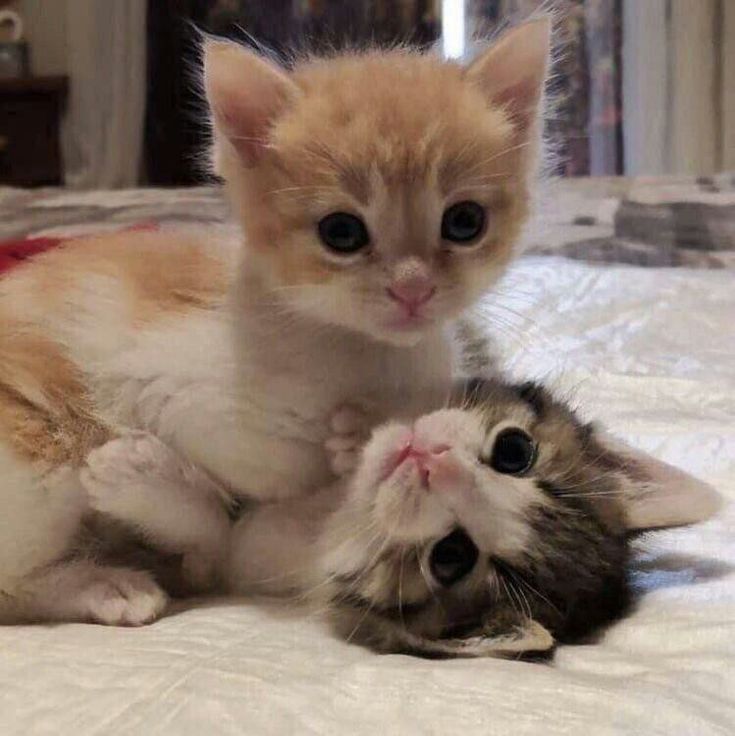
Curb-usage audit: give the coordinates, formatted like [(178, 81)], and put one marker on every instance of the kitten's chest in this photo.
[(284, 411), (384, 380), (257, 417)]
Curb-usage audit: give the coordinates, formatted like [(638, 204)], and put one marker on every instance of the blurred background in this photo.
[(102, 94)]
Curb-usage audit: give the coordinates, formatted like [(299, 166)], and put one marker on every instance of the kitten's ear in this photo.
[(512, 72), (528, 639), (246, 93), (658, 494)]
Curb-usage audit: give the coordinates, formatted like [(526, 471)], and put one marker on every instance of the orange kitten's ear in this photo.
[(656, 494), (512, 72), (245, 93)]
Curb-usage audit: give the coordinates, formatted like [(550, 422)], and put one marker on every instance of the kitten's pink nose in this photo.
[(412, 292), (423, 458)]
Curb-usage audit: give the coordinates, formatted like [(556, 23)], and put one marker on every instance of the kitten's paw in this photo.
[(349, 427), (112, 468), (348, 420), (122, 597)]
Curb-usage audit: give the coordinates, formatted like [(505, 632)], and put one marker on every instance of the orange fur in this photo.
[(161, 272), (397, 135), (46, 415)]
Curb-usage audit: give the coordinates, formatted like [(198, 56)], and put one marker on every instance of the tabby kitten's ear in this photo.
[(246, 93), (526, 639), (656, 494), (512, 72)]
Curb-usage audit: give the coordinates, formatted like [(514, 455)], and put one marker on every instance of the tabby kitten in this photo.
[(496, 527), (378, 195)]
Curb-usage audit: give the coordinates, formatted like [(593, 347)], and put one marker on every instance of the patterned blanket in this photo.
[(664, 222)]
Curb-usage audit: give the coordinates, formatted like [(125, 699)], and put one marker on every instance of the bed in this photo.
[(625, 301)]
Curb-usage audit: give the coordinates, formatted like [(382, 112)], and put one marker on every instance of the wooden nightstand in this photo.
[(30, 116)]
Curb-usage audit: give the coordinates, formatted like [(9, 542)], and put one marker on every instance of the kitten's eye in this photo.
[(343, 233), (453, 558), (463, 222), (514, 452)]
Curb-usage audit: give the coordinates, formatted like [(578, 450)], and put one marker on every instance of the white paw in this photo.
[(123, 597), (349, 427)]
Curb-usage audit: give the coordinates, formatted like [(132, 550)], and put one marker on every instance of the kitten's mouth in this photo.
[(407, 317), (408, 322)]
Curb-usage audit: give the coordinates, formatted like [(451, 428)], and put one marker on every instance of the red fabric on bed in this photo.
[(13, 252)]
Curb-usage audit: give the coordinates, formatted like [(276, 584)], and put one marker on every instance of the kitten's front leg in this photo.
[(138, 480), (275, 545)]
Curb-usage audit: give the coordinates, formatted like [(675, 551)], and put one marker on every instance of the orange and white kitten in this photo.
[(379, 195)]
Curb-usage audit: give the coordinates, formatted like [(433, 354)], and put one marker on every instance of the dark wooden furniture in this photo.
[(30, 116)]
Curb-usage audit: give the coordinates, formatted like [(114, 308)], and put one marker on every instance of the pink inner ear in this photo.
[(246, 93), (244, 117), (512, 72), (520, 101), (246, 124)]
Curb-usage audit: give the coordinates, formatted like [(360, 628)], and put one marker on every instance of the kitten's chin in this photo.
[(402, 334), (400, 338)]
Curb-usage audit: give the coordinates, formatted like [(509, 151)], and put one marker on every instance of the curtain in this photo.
[(103, 132), (679, 89), (285, 25), (584, 128)]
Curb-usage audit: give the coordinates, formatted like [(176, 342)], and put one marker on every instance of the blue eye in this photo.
[(463, 222), (453, 558), (343, 233), (514, 452)]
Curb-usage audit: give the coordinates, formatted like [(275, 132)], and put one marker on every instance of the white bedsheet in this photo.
[(652, 353)]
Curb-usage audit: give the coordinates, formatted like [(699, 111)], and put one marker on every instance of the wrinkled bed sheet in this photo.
[(651, 352)]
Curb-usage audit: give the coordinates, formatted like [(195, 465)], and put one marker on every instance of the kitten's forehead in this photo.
[(407, 118)]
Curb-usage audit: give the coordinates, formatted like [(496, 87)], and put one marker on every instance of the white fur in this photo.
[(39, 515), (248, 396)]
